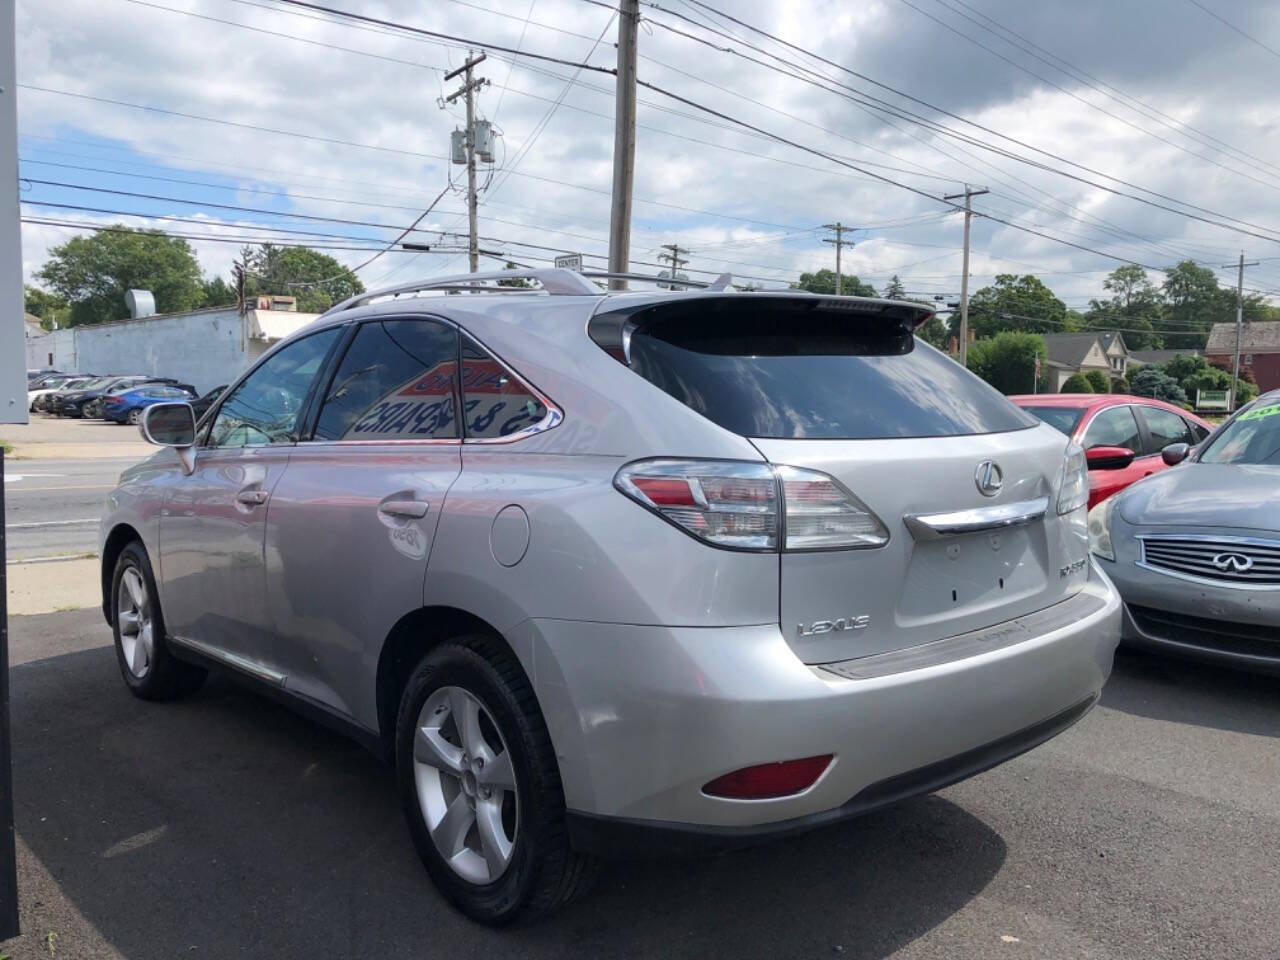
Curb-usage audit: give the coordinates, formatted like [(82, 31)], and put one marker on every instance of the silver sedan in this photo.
[(1195, 552)]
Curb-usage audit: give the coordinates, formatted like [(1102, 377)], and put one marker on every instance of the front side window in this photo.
[(1113, 427), (1253, 437), (264, 409), (1165, 428), (1063, 419), (497, 404), (397, 381)]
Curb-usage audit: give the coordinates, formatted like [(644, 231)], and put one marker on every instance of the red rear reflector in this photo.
[(666, 491), (769, 780)]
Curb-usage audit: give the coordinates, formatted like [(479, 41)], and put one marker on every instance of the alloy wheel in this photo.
[(133, 611), (466, 785)]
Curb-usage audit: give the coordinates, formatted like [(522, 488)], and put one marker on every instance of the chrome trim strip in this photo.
[(932, 526), (233, 660), (1210, 538)]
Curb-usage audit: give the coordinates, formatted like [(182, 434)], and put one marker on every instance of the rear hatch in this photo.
[(964, 484)]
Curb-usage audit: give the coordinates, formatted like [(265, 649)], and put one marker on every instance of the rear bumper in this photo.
[(643, 717)]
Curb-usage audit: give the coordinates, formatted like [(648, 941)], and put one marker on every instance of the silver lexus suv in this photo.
[(616, 574)]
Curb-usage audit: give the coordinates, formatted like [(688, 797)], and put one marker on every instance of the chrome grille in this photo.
[(1244, 561)]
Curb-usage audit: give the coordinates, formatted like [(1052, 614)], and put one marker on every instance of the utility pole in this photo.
[(674, 258), (468, 89), (839, 241), (1235, 372), (624, 143), (968, 195)]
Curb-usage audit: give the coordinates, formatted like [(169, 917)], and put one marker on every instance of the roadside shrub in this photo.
[(1100, 382), (1077, 383), (1153, 382)]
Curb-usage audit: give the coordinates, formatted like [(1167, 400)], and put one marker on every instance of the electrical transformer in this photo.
[(458, 144)]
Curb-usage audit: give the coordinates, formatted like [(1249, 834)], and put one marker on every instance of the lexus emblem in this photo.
[(989, 478), (1236, 562)]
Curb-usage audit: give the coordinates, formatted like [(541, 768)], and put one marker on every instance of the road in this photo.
[(52, 506), (224, 825)]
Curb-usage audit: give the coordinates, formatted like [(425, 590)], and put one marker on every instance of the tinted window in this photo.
[(264, 409), (1113, 427), (794, 371), (396, 382), (1165, 428), (497, 404), (1252, 437), (1197, 431), (1063, 419)]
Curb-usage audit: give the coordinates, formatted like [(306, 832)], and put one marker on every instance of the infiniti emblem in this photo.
[(989, 478), (1233, 561)]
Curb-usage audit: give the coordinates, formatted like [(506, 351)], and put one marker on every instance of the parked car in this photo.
[(87, 402), (44, 400), (126, 406), (201, 407), (618, 573), (1195, 552), (44, 385), (1122, 435)]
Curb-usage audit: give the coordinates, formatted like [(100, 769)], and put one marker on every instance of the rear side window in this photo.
[(791, 371), (1113, 427), (396, 382), (1165, 428), (497, 404)]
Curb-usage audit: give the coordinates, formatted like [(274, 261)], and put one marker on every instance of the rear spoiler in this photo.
[(612, 329)]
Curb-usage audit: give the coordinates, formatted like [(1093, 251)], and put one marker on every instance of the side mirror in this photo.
[(172, 425), (1108, 458), (1175, 453)]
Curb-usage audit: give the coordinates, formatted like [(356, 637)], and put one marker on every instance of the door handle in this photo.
[(410, 509), (252, 498)]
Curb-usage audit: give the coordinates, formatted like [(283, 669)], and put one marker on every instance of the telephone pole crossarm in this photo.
[(969, 194)]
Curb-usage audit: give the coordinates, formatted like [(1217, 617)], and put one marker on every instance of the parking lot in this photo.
[(225, 825)]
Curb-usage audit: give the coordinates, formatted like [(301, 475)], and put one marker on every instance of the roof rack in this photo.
[(555, 281)]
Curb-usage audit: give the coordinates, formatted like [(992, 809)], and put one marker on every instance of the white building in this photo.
[(205, 348)]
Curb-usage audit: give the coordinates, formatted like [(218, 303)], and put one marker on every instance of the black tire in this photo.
[(544, 873), (165, 677)]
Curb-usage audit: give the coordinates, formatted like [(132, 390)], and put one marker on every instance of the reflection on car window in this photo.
[(1063, 419), (264, 409), (1252, 437), (1165, 428), (497, 404), (396, 382), (1113, 427)]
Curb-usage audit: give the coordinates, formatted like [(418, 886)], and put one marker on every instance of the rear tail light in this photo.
[(1073, 490), (753, 506), (769, 780)]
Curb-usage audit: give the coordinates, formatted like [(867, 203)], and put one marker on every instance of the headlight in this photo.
[(1073, 493), (1100, 530)]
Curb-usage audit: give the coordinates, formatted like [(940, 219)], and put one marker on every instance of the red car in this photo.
[(1122, 435)]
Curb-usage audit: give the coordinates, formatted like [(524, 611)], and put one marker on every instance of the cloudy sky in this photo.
[(254, 118)]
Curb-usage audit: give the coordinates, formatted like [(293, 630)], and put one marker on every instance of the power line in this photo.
[(1254, 40)]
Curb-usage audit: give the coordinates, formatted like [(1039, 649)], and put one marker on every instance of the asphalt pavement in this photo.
[(224, 826), (52, 506)]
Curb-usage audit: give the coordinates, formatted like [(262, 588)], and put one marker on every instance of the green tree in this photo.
[(316, 279), (1014, 303), (894, 290), (1136, 304), (1007, 361), (824, 281), (1099, 382), (1076, 383), (1193, 303), (1154, 382), (935, 333), (518, 282), (52, 309), (93, 273), (219, 293)]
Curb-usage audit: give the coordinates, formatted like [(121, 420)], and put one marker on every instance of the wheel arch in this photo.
[(121, 535), (413, 636)]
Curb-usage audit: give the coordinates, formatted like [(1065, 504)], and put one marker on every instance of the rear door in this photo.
[(354, 516), (964, 482)]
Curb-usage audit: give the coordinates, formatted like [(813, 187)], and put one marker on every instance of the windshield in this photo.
[(96, 384), (1253, 437), (1062, 419)]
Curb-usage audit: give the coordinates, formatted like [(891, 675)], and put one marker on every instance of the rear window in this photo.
[(793, 371), (1064, 419)]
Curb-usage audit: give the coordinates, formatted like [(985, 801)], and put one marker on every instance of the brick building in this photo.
[(1259, 350)]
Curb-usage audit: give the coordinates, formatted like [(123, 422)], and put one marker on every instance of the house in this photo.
[(31, 325), (205, 348), (1071, 353), (1154, 358), (1259, 350)]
